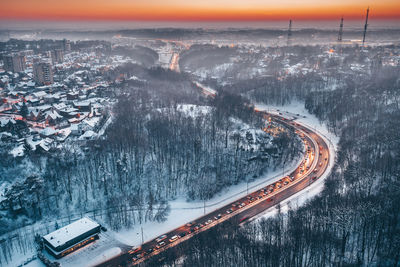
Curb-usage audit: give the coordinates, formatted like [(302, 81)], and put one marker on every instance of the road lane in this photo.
[(248, 206)]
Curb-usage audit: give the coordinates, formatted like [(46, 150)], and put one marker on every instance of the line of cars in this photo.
[(138, 252), (195, 226)]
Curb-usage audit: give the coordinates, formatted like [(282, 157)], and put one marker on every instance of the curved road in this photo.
[(313, 166)]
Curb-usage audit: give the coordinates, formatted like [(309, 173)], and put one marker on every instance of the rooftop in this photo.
[(69, 232)]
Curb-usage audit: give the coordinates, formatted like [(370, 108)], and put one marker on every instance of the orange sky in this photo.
[(196, 10)]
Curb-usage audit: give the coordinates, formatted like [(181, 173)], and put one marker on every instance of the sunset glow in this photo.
[(201, 10)]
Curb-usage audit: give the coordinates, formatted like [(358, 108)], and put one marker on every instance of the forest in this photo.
[(158, 148), (354, 221), (167, 141)]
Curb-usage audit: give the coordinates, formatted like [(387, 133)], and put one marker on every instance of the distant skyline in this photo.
[(205, 10)]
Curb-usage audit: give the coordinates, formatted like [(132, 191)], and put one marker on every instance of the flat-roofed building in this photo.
[(71, 237)]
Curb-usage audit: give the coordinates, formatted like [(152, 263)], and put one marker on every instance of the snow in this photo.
[(101, 250), (106, 255), (310, 121), (183, 212), (35, 263), (71, 231), (106, 124), (88, 135), (18, 151), (48, 131), (29, 260), (193, 110)]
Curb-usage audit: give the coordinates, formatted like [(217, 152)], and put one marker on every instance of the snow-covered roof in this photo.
[(69, 232), (40, 94), (53, 115), (48, 131), (87, 135)]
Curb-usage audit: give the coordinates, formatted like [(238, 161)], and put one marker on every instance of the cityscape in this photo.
[(178, 134)]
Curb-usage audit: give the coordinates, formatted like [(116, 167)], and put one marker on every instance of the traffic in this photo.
[(312, 166)]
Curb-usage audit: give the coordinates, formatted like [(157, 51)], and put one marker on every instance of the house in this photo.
[(83, 106), (47, 132), (52, 117), (76, 129), (88, 135), (72, 95)]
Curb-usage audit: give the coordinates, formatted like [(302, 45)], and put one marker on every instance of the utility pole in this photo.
[(289, 35), (340, 37), (365, 26), (142, 234)]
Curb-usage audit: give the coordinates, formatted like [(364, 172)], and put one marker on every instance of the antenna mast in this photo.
[(340, 37), (289, 35), (365, 26)]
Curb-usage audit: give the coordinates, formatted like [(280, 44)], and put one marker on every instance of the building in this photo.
[(43, 73), (57, 56), (66, 45), (14, 62), (71, 237)]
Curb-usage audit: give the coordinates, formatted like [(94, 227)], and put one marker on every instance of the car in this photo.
[(292, 178), (320, 164), (315, 170), (278, 185), (161, 238), (285, 182), (326, 158), (160, 245), (209, 221), (229, 211), (314, 178), (270, 199), (150, 250), (182, 235), (190, 224), (134, 250), (173, 239)]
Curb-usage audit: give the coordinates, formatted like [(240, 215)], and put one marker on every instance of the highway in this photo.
[(313, 166)]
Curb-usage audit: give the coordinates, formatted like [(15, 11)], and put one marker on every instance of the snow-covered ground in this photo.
[(309, 120), (112, 243), (106, 247), (183, 212)]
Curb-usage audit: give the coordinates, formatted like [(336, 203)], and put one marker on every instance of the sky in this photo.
[(191, 10)]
